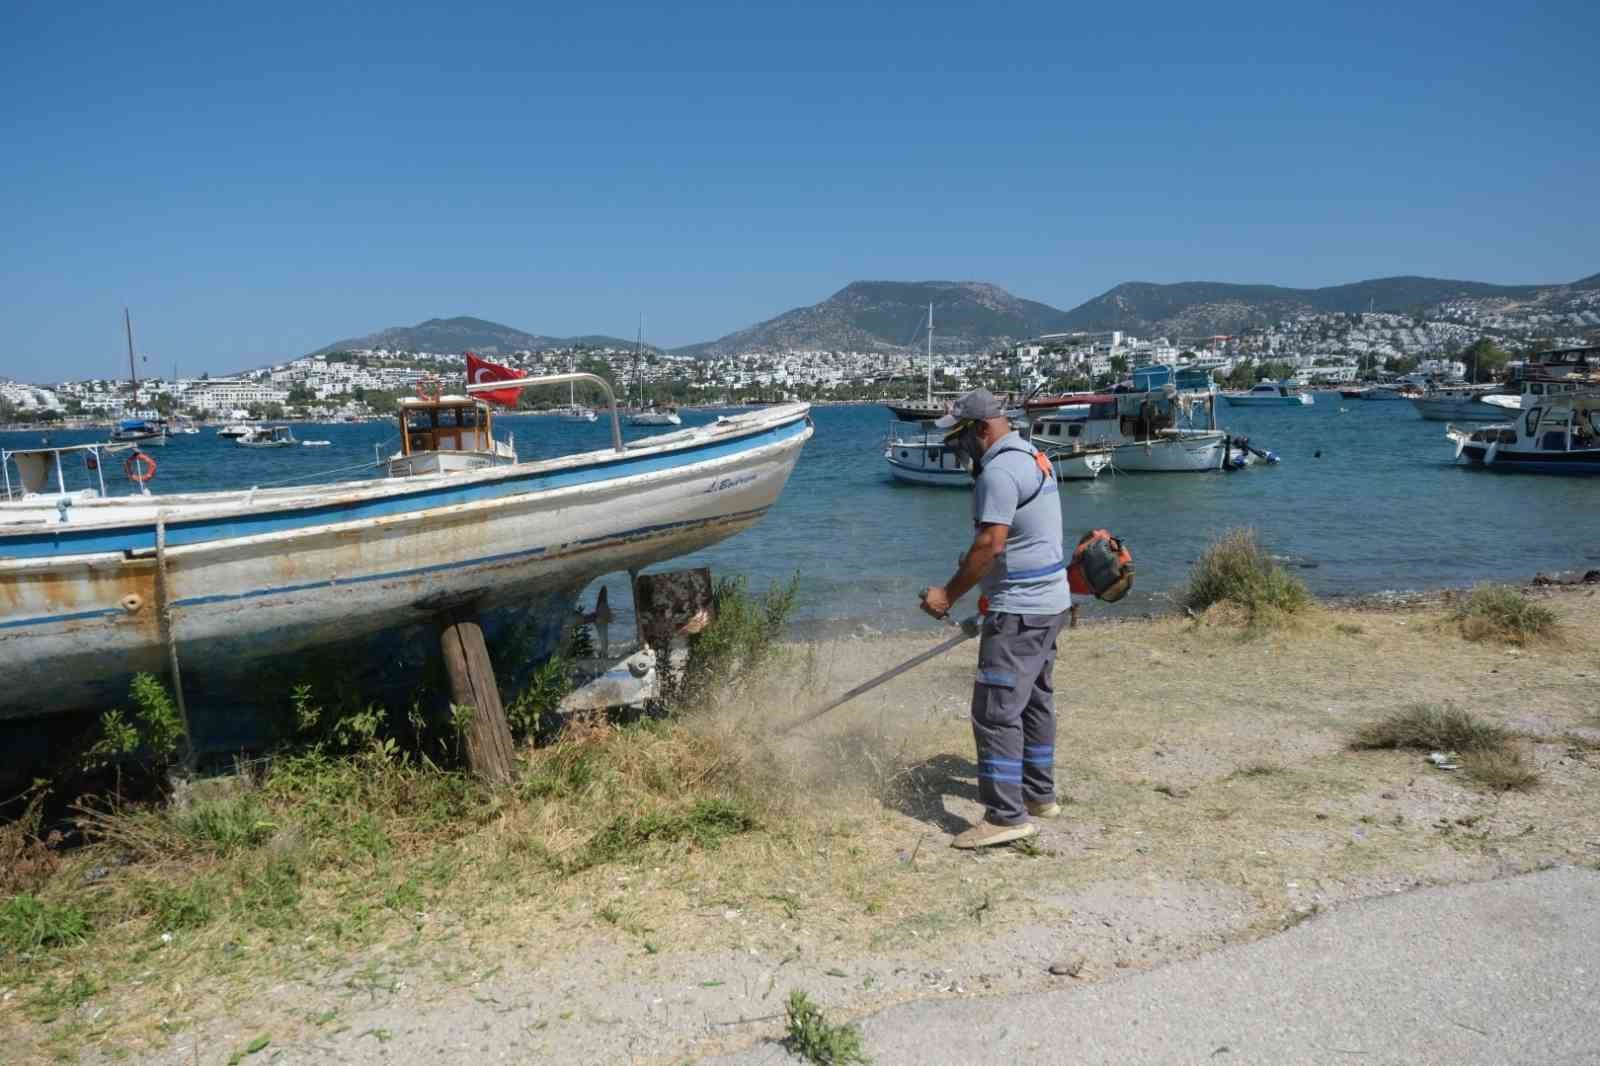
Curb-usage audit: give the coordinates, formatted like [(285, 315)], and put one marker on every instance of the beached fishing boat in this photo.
[(1558, 436), (94, 588)]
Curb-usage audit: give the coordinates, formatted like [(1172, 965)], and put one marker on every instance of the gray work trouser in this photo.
[(1014, 713)]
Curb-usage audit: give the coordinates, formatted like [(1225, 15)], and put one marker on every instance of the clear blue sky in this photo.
[(256, 180)]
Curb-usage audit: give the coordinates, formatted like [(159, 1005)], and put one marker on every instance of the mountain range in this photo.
[(463, 333), (891, 316)]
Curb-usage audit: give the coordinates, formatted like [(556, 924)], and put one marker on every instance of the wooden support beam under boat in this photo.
[(472, 684)]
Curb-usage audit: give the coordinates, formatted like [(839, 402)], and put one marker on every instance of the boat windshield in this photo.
[(430, 427)]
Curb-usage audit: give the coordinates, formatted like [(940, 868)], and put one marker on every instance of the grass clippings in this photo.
[(812, 1037), (1502, 613), (1236, 572)]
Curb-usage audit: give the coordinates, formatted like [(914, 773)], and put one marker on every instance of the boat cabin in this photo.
[(448, 434)]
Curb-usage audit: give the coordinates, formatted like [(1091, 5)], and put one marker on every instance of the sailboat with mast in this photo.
[(928, 409), (651, 414), (140, 431), (575, 411)]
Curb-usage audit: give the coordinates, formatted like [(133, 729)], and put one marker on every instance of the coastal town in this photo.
[(1319, 349)]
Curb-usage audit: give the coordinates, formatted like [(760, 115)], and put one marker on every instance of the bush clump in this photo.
[(1486, 751), (1422, 727), (1236, 570), (1500, 612)]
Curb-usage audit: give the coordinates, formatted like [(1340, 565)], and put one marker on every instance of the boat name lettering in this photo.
[(729, 483)]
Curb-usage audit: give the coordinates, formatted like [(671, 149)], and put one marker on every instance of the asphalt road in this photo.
[(1503, 972)]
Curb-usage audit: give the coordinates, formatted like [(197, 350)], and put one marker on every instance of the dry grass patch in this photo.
[(1500, 612), (1486, 751)]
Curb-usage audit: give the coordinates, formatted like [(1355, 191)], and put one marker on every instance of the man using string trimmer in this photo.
[(1016, 555)]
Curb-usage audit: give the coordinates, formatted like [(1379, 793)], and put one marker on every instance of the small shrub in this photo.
[(812, 1037), (739, 640), (155, 729), (1235, 570), (1504, 768), (28, 924), (1500, 612)]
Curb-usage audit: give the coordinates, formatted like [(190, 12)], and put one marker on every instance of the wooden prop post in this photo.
[(472, 684)]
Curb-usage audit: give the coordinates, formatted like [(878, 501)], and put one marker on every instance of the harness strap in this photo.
[(1047, 473)]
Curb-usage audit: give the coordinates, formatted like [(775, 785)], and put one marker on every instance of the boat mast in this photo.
[(930, 354), (133, 373)]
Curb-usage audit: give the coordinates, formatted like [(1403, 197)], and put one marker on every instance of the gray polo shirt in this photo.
[(1030, 577)]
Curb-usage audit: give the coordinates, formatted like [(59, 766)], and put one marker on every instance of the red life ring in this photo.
[(139, 467)]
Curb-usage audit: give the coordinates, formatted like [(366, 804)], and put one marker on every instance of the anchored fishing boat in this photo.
[(1558, 436), (95, 587), (1165, 431), (919, 456), (142, 431)]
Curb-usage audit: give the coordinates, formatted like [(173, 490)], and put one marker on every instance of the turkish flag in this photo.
[(481, 370)]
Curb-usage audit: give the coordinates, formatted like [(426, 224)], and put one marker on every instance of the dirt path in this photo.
[(1211, 799)]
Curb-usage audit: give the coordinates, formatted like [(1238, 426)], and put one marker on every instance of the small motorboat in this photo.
[(315, 443), (1285, 393), (234, 430), (655, 416), (267, 437)]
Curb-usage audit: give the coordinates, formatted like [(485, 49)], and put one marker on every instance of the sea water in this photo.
[(1367, 499)]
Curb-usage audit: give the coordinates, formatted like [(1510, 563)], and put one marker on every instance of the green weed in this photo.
[(28, 924), (706, 824), (812, 1037), (173, 907), (741, 638)]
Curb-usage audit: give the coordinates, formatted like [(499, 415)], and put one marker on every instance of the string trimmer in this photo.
[(968, 630)]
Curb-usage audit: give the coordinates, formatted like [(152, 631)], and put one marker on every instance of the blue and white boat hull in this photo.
[(256, 576)]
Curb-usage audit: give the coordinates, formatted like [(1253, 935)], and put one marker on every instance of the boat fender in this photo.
[(1102, 566), (91, 461), (139, 467)]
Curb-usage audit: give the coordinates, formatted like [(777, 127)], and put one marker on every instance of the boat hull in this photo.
[(915, 475), (347, 565), (1178, 455), (1303, 399), (1435, 409), (1582, 463)]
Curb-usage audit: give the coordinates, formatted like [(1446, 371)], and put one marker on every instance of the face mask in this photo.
[(970, 449)]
